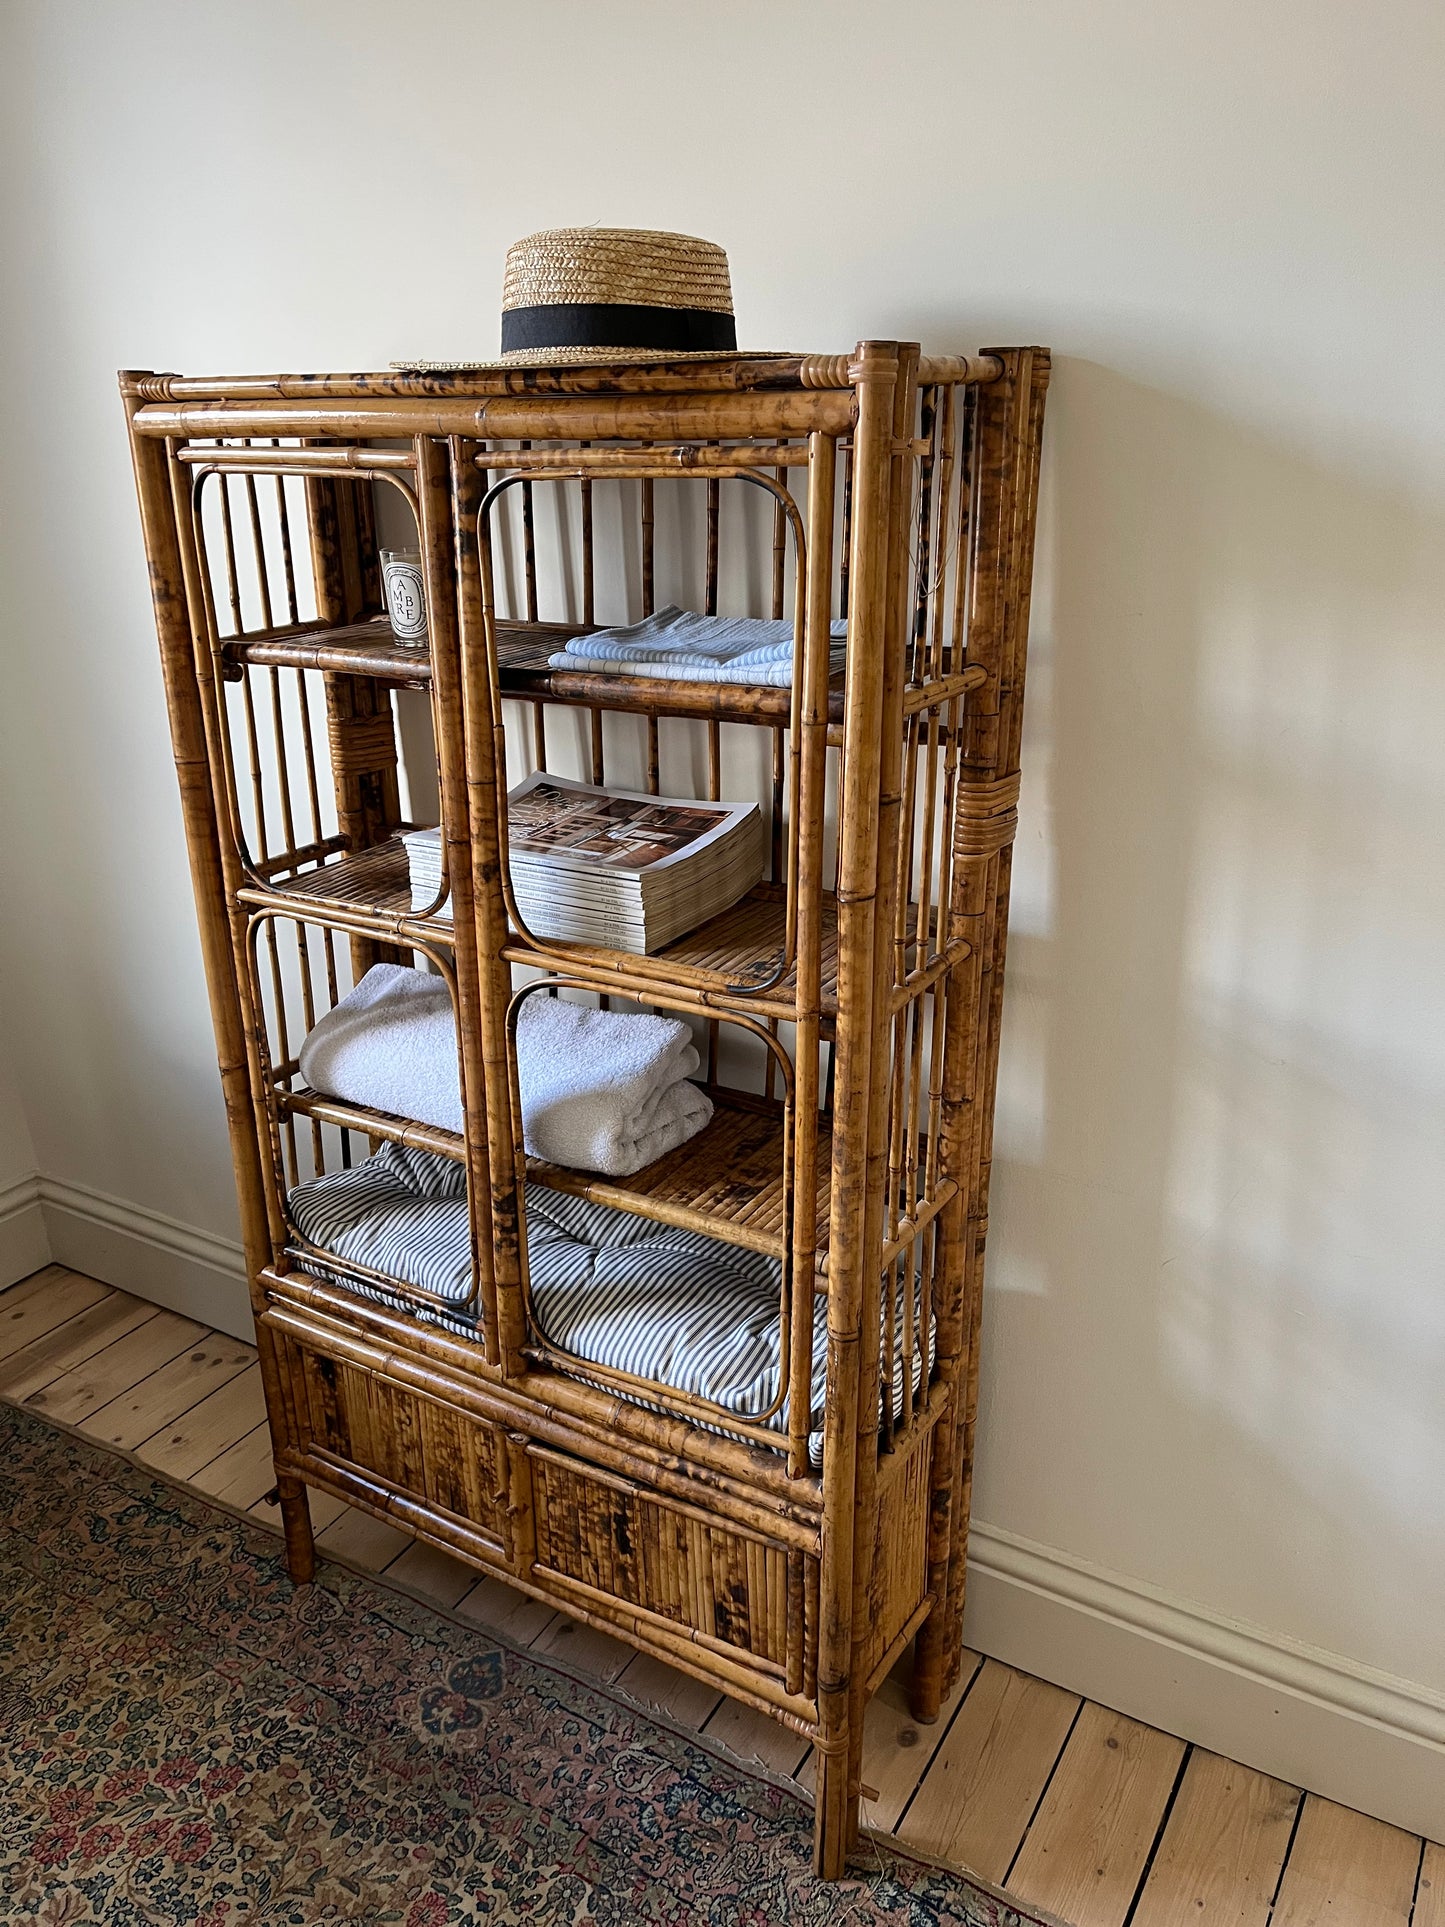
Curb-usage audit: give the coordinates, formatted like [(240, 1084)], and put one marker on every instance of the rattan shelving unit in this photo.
[(849, 1007)]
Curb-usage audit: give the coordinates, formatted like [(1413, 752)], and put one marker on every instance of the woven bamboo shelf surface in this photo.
[(731, 1173), (370, 649), (373, 888)]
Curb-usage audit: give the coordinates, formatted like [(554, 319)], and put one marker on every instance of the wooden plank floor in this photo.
[(1103, 1821)]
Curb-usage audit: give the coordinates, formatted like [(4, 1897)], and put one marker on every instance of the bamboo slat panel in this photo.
[(438, 1455), (728, 1588), (736, 1481), (900, 1552)]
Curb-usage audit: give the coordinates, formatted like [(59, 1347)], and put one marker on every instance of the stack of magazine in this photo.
[(611, 867)]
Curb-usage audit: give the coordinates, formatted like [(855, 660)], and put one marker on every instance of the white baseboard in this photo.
[(24, 1246), (158, 1258), (1313, 1718)]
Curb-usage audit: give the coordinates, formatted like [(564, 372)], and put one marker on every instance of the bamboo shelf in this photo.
[(369, 891), (523, 648), (730, 1177), (785, 1548)]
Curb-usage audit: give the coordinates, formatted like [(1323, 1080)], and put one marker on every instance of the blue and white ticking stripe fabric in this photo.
[(402, 1213), (678, 645), (608, 1287)]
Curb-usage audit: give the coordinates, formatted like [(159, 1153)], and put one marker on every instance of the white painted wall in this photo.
[(1216, 1318), (24, 1246), (17, 1153)]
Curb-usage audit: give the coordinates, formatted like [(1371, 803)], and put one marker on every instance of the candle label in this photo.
[(405, 600)]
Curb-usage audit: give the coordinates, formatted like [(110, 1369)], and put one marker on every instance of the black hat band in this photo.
[(616, 324)]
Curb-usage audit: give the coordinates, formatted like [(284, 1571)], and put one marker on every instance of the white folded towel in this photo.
[(390, 1044), (601, 1090), (678, 645)]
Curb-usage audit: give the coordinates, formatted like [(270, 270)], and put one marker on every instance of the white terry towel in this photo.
[(390, 1044), (601, 1090)]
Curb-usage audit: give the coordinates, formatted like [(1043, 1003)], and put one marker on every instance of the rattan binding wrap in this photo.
[(987, 816)]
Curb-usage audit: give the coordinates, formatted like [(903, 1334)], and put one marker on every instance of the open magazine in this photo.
[(614, 867)]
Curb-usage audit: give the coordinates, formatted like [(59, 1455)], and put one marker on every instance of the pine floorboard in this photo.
[(1074, 1808), (976, 1796), (1344, 1866), (1220, 1857), (1430, 1889), (1088, 1844)]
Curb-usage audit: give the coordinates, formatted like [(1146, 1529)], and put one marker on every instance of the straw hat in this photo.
[(612, 294)]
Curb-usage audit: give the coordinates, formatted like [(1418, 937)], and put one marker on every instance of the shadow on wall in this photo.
[(1215, 1341)]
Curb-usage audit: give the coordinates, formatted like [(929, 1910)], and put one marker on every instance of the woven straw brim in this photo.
[(582, 357)]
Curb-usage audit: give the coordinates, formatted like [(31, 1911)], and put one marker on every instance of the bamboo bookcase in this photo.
[(859, 988)]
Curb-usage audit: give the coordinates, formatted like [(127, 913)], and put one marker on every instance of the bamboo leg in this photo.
[(1007, 451), (888, 830), (193, 761), (296, 1524), (874, 373)]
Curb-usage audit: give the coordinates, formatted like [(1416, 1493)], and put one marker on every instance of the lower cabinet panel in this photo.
[(429, 1452), (744, 1607), (900, 1552), (634, 1547)]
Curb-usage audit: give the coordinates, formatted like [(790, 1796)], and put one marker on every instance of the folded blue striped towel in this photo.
[(678, 645)]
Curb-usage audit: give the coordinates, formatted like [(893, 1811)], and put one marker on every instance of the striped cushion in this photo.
[(609, 1287)]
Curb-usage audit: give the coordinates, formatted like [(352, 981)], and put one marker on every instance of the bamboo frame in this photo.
[(908, 486)]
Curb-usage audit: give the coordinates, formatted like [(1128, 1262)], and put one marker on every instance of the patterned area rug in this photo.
[(189, 1739)]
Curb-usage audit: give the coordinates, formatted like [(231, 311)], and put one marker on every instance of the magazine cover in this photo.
[(573, 825)]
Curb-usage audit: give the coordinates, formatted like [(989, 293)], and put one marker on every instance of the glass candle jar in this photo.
[(404, 588)]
